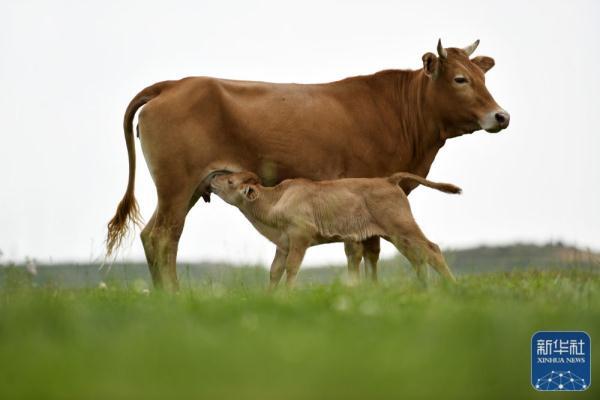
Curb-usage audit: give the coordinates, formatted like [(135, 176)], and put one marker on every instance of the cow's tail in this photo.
[(443, 187), (128, 210)]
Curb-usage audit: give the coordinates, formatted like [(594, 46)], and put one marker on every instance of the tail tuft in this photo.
[(127, 212)]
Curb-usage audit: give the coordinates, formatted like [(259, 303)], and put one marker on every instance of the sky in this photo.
[(68, 69)]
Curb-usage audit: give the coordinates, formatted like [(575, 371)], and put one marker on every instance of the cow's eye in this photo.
[(460, 79)]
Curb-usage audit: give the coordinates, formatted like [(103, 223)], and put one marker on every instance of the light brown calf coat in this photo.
[(299, 213)]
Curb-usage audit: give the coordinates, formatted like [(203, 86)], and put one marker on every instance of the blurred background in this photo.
[(68, 69)]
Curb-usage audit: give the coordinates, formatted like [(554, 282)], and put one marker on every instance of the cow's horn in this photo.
[(441, 50), (471, 48)]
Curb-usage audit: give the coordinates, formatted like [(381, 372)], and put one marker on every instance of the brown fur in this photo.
[(300, 213), (365, 126)]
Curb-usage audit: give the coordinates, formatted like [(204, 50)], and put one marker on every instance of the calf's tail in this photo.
[(443, 187), (128, 210)]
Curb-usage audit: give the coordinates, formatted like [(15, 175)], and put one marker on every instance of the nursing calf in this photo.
[(299, 213)]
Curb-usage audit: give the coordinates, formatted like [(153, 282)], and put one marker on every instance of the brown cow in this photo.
[(299, 213), (365, 126)]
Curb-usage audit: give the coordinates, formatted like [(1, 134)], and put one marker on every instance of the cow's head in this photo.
[(237, 188), (457, 93)]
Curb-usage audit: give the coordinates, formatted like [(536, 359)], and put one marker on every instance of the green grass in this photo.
[(234, 340)]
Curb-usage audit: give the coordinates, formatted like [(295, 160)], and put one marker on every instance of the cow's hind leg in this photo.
[(161, 238), (149, 250)]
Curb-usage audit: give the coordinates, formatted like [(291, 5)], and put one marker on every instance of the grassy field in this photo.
[(229, 338)]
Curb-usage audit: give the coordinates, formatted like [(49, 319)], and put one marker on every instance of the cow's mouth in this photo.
[(493, 130)]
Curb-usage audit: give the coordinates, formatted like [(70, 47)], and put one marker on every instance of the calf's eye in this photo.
[(229, 181), (460, 79)]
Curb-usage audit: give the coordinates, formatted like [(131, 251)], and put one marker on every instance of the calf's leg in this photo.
[(354, 255), (277, 267), (412, 250), (420, 252), (293, 260), (437, 261), (410, 241)]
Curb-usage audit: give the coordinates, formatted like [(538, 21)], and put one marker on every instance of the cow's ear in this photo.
[(250, 192), (483, 62), (430, 65)]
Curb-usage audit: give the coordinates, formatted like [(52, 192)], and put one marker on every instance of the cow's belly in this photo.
[(292, 138)]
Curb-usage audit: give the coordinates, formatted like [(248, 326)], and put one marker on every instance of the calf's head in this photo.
[(236, 188), (457, 93)]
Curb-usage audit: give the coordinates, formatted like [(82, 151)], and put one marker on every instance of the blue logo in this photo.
[(561, 361)]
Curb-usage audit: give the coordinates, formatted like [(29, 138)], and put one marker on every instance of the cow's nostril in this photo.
[(502, 117)]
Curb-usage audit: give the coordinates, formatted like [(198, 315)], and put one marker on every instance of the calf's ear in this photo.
[(250, 192), (483, 62), (430, 65), (251, 178), (254, 180)]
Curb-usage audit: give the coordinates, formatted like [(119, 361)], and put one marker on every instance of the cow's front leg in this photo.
[(371, 249)]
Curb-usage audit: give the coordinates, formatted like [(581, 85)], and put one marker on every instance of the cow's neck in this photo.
[(418, 136)]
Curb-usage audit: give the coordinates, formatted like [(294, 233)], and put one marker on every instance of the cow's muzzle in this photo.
[(495, 121)]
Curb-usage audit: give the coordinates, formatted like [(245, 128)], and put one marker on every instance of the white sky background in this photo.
[(69, 68)]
